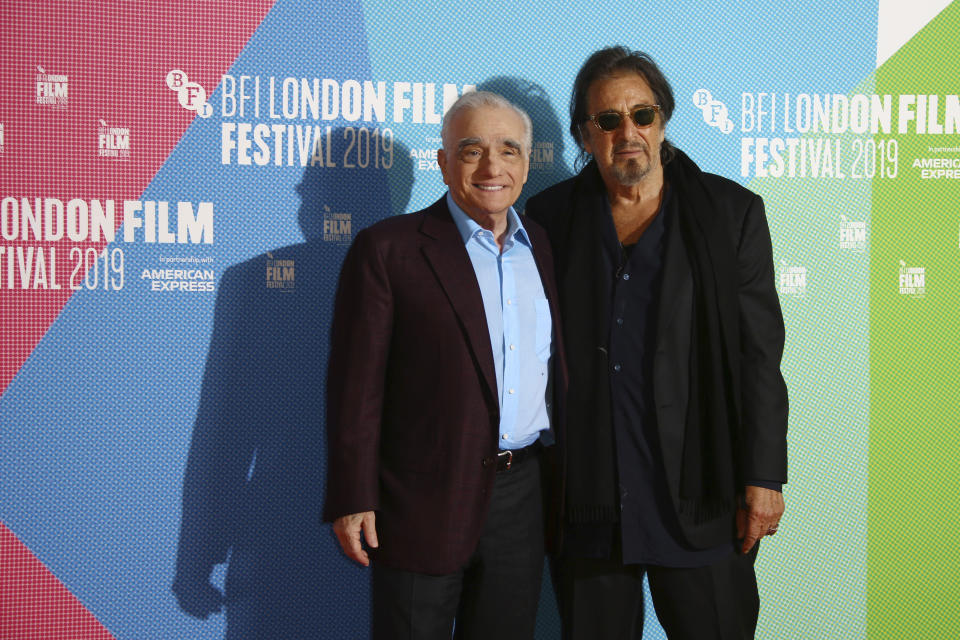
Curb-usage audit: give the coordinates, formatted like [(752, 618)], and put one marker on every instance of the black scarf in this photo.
[(708, 481)]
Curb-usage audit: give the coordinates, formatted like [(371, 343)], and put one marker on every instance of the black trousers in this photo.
[(603, 600), (495, 595)]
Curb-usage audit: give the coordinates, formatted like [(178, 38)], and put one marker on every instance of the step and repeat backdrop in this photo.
[(179, 183)]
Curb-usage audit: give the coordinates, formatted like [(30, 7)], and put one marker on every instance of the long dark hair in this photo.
[(610, 61)]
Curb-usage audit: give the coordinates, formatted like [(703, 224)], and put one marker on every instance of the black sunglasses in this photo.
[(642, 117)]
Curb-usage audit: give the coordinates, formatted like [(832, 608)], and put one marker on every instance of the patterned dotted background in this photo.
[(96, 424)]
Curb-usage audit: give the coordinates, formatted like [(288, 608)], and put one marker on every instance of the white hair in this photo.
[(476, 99)]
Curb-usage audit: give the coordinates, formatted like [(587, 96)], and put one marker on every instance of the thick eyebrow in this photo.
[(466, 142), (513, 144), (469, 142)]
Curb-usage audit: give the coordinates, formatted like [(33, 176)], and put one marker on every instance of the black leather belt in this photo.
[(509, 458)]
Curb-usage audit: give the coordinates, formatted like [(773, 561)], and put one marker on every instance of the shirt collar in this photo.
[(468, 227)]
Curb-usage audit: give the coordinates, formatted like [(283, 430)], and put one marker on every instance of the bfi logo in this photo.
[(191, 95), (714, 112)]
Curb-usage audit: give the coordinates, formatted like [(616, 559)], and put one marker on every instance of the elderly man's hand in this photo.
[(348, 530), (760, 517)]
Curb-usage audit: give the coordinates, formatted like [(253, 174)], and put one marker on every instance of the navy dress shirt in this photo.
[(649, 530)]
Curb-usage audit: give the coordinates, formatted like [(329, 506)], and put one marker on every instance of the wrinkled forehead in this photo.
[(485, 125)]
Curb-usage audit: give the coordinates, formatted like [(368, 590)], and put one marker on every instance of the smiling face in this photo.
[(484, 161), (628, 154)]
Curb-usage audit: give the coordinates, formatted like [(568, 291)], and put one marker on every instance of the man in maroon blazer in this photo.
[(439, 393)]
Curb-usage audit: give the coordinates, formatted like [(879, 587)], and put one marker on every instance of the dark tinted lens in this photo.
[(607, 121), (644, 116)]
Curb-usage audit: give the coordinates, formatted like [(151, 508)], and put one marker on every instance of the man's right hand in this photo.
[(348, 530)]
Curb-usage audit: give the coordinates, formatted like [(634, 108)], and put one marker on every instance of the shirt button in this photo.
[(503, 437), (626, 276), (509, 301), (620, 321), (511, 390), (512, 347), (616, 367)]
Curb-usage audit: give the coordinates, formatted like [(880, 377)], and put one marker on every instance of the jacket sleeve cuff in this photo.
[(764, 484)]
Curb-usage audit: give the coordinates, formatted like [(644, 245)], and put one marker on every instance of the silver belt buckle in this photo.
[(509, 455)]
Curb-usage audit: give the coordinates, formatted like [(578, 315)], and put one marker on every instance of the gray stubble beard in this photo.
[(632, 173)]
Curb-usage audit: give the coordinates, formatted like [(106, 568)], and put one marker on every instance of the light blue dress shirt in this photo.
[(518, 317)]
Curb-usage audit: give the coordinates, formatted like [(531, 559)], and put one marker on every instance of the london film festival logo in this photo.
[(51, 88), (793, 280), (853, 234), (715, 113), (191, 95), (113, 142), (281, 274), (336, 226), (913, 280), (541, 156)]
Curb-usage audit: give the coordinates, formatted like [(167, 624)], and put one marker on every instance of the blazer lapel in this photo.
[(449, 261)]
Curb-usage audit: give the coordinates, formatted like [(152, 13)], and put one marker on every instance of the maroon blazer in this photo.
[(412, 406)]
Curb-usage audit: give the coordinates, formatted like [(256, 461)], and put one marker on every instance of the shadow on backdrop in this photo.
[(255, 474), (547, 166)]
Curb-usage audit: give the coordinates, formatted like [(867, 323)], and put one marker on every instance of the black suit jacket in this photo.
[(762, 452), (412, 406)]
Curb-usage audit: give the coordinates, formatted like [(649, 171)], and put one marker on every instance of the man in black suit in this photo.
[(675, 445)]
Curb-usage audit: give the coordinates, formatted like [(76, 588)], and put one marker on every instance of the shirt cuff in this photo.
[(764, 484)]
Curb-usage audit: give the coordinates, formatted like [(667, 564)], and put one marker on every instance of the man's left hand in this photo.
[(760, 516)]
